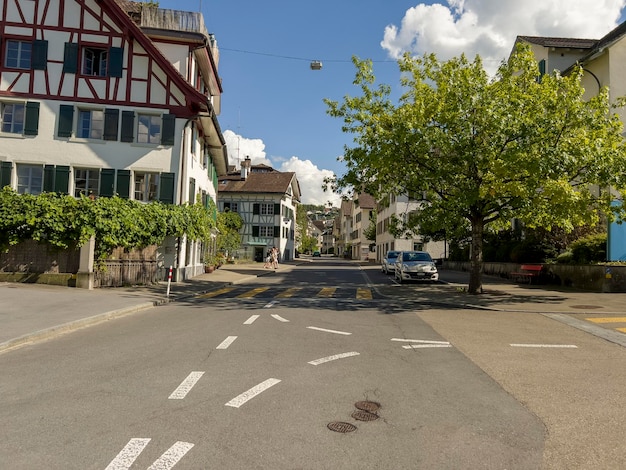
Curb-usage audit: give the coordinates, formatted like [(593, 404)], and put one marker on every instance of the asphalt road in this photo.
[(234, 383)]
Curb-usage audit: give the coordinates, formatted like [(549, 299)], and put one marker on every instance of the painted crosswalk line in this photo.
[(607, 320), (252, 292), (215, 293), (186, 385), (227, 342), (127, 456)]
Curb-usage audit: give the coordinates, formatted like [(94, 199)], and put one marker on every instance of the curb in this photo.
[(54, 331)]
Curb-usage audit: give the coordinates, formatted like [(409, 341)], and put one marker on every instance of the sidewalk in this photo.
[(33, 312)]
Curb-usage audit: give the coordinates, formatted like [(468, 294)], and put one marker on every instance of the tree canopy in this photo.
[(485, 150)]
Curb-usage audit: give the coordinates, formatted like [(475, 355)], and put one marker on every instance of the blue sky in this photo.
[(272, 102)]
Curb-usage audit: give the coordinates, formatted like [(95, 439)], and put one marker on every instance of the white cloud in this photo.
[(310, 177), (489, 27)]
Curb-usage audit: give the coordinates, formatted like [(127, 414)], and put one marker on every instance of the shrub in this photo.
[(589, 249)]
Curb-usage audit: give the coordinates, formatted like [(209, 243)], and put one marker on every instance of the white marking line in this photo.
[(171, 456), (185, 386), (570, 346), (426, 341), (424, 346), (251, 320), (279, 318), (227, 342), (270, 305), (328, 331), (254, 391), (322, 360), (128, 454)]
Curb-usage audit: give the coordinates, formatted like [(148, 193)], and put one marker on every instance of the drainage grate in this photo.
[(340, 426), (586, 307), (370, 406), (361, 415)]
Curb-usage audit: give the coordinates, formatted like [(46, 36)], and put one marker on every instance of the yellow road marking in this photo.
[(215, 292), (363, 294), (607, 320), (623, 330), (327, 292), (289, 292), (252, 293)]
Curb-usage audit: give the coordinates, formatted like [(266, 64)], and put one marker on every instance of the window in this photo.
[(267, 209), (18, 54), (95, 61), (29, 179), (146, 186), (13, 118), (90, 124), (149, 129), (86, 181), (231, 207), (266, 231)]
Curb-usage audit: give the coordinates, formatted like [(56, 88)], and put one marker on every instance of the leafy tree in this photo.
[(228, 236), (484, 150), (370, 231)]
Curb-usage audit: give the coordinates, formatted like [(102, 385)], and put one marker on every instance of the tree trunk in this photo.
[(476, 258)]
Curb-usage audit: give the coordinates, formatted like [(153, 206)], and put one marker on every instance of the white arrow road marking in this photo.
[(279, 318), (128, 454), (171, 456), (227, 342), (186, 385), (571, 346), (426, 341), (254, 391), (328, 331), (270, 305), (322, 360), (251, 320), (424, 346)]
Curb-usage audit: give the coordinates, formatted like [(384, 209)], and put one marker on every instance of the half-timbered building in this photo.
[(105, 97), (266, 200)]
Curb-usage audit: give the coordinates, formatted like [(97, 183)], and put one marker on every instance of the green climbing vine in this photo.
[(65, 222)]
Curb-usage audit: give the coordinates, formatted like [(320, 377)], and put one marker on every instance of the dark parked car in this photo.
[(317, 254)]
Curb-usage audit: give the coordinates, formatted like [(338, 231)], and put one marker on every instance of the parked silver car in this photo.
[(389, 261), (415, 266)]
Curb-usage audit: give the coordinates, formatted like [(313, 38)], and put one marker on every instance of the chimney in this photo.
[(245, 168)]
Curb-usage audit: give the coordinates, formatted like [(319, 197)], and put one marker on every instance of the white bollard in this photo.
[(169, 282)]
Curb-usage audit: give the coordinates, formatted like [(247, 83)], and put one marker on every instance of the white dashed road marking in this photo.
[(253, 392), (186, 385), (171, 456), (328, 331), (424, 346), (426, 341), (279, 318), (251, 320), (332, 358), (270, 305), (227, 342), (128, 454), (571, 346)]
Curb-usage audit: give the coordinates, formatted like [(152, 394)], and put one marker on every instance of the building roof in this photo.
[(567, 43), (366, 201), (274, 182), (346, 208)]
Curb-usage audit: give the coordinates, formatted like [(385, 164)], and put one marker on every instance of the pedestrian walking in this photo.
[(275, 258), (268, 259)]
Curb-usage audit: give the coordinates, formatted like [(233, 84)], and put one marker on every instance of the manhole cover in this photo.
[(370, 406), (361, 415), (339, 426), (586, 307)]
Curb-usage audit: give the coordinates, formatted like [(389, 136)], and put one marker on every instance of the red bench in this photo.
[(527, 273)]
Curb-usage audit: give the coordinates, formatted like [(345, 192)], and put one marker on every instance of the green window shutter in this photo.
[(128, 126), (276, 209), (31, 121), (66, 120), (166, 190), (70, 58), (255, 230), (276, 231), (116, 61), (542, 67), (123, 183), (192, 190), (256, 209), (48, 178), (62, 179), (111, 121), (107, 182), (39, 59), (168, 129), (5, 174)]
